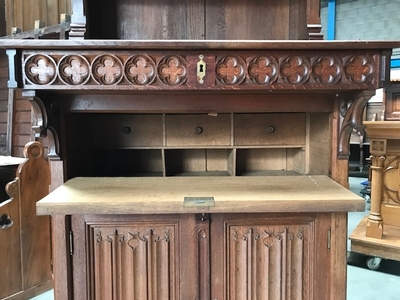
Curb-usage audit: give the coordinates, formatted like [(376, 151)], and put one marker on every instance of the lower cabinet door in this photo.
[(208, 256), (135, 257), (270, 256)]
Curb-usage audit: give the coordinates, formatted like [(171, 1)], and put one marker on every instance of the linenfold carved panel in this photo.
[(268, 262), (154, 70), (132, 262)]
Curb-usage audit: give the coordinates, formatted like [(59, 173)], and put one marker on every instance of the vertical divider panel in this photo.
[(164, 166), (307, 156), (163, 148), (232, 154)]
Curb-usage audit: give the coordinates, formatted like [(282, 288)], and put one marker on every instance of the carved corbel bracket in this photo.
[(41, 122), (351, 108)]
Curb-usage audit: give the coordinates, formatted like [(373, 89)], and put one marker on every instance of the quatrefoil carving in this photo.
[(74, 70), (230, 70), (140, 70), (172, 70), (107, 69), (263, 70), (360, 69), (40, 69), (295, 70), (327, 69)]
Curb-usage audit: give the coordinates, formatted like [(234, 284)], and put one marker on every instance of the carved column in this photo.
[(375, 221)]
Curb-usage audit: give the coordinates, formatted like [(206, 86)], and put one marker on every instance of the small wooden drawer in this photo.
[(198, 130), (123, 130), (286, 129)]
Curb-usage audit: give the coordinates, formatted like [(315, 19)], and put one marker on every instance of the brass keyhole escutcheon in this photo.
[(201, 69)]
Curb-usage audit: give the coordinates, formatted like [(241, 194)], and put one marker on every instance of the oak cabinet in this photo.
[(225, 186)]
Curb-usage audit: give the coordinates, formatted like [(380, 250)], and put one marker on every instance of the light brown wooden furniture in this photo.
[(25, 248), (378, 235), (137, 123)]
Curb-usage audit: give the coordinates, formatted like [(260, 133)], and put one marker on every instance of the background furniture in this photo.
[(25, 249), (378, 234)]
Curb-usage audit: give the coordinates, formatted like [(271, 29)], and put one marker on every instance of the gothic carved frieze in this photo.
[(130, 70)]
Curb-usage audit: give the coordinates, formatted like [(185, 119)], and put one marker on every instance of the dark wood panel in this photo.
[(254, 19), (160, 20)]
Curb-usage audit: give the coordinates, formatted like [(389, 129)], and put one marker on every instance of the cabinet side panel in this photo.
[(320, 144)]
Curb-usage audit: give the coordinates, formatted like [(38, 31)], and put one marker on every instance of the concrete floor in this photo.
[(362, 284)]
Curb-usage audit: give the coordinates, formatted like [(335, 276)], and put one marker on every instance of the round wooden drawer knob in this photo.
[(126, 130), (270, 129), (198, 130)]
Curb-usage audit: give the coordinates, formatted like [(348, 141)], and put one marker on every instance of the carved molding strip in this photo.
[(132, 70)]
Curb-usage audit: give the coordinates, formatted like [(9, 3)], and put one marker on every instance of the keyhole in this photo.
[(201, 68)]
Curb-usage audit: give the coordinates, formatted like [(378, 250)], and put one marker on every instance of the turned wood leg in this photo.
[(375, 222)]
